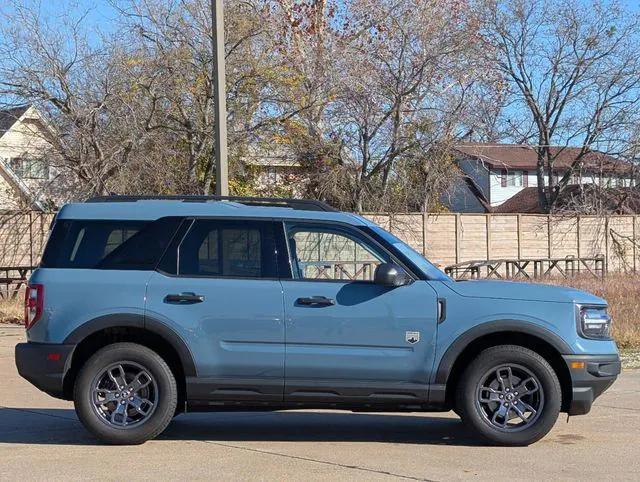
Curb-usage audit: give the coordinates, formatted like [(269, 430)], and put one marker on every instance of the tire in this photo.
[(496, 375), (118, 415)]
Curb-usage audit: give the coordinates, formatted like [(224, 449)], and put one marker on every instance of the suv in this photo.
[(143, 308)]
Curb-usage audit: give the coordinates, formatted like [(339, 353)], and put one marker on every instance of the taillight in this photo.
[(33, 302)]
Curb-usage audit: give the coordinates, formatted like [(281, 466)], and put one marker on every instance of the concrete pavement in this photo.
[(41, 438)]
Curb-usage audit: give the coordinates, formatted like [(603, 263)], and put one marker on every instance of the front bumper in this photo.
[(44, 365), (591, 375)]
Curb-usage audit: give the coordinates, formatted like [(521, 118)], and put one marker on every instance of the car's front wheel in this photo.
[(510, 395), (125, 394)]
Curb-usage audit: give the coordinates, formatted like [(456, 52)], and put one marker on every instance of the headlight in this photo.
[(594, 322)]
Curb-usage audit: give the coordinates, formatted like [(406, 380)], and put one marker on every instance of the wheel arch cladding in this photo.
[(104, 330), (506, 332)]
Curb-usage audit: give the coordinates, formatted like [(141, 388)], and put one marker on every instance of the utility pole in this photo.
[(220, 99)]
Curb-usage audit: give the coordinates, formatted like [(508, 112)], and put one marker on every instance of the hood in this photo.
[(511, 290)]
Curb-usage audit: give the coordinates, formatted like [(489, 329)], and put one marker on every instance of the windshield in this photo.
[(416, 258)]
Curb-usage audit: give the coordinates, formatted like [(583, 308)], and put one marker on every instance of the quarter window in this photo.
[(319, 253), (92, 244)]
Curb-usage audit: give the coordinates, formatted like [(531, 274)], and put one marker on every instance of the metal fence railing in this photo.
[(529, 268), (13, 279)]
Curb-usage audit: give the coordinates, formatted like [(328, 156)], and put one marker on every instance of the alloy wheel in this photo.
[(510, 397), (124, 395)]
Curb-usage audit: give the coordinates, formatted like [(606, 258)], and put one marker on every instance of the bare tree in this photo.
[(172, 43), (381, 84), (573, 70), (366, 95), (77, 81)]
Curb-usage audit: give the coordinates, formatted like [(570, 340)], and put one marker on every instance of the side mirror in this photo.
[(389, 274)]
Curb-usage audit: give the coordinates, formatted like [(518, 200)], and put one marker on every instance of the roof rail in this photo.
[(297, 204)]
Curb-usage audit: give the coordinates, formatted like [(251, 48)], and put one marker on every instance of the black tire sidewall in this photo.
[(167, 394), (509, 354)]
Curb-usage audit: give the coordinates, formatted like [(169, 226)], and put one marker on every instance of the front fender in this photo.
[(454, 350)]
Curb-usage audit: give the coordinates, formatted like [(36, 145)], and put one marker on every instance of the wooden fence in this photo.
[(445, 239)]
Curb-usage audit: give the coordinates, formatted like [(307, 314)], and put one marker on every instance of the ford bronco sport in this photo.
[(143, 308)]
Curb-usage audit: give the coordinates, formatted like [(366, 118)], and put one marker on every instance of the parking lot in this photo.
[(41, 438)]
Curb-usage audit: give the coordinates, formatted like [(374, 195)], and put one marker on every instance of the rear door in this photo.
[(92, 268), (218, 288), (349, 339)]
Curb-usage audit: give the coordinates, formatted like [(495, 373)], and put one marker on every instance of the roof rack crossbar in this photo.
[(297, 204)]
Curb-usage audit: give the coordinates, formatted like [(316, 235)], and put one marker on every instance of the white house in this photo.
[(25, 170), (494, 173)]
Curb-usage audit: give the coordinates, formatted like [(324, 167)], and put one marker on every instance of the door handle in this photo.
[(184, 298), (315, 301)]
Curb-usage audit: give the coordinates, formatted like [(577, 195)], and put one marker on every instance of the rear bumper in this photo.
[(44, 365), (589, 380)]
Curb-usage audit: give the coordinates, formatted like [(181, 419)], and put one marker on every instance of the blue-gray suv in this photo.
[(143, 308)]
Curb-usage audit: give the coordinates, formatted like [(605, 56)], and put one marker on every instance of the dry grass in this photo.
[(12, 311), (622, 292)]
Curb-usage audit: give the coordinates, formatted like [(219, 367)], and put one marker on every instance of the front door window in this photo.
[(327, 253)]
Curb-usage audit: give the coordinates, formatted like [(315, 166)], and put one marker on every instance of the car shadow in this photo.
[(60, 426)]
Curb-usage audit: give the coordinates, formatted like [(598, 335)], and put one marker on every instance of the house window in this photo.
[(30, 168), (514, 179), (272, 175)]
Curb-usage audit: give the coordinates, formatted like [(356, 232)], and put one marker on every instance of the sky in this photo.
[(99, 13), (102, 13)]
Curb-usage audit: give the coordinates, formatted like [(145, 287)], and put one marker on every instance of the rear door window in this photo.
[(228, 249), (113, 244)]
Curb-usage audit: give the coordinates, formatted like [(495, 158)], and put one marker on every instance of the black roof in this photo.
[(8, 117)]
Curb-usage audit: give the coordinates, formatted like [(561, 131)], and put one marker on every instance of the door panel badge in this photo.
[(412, 337)]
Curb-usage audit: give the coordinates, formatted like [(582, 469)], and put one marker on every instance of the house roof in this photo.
[(520, 156), (272, 161), (618, 200), (8, 117), (524, 202)]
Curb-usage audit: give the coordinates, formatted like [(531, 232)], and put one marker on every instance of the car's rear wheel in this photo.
[(125, 394), (510, 395)]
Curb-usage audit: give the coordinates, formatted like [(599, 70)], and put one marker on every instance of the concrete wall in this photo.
[(22, 237), (444, 239), (447, 239)]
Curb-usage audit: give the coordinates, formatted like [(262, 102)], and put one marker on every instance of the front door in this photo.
[(348, 339), (219, 290)]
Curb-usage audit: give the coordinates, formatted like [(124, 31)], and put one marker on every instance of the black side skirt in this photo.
[(220, 394)]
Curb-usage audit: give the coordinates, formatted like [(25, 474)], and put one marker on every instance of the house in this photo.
[(585, 198), (25, 171), (273, 172), (494, 173)]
